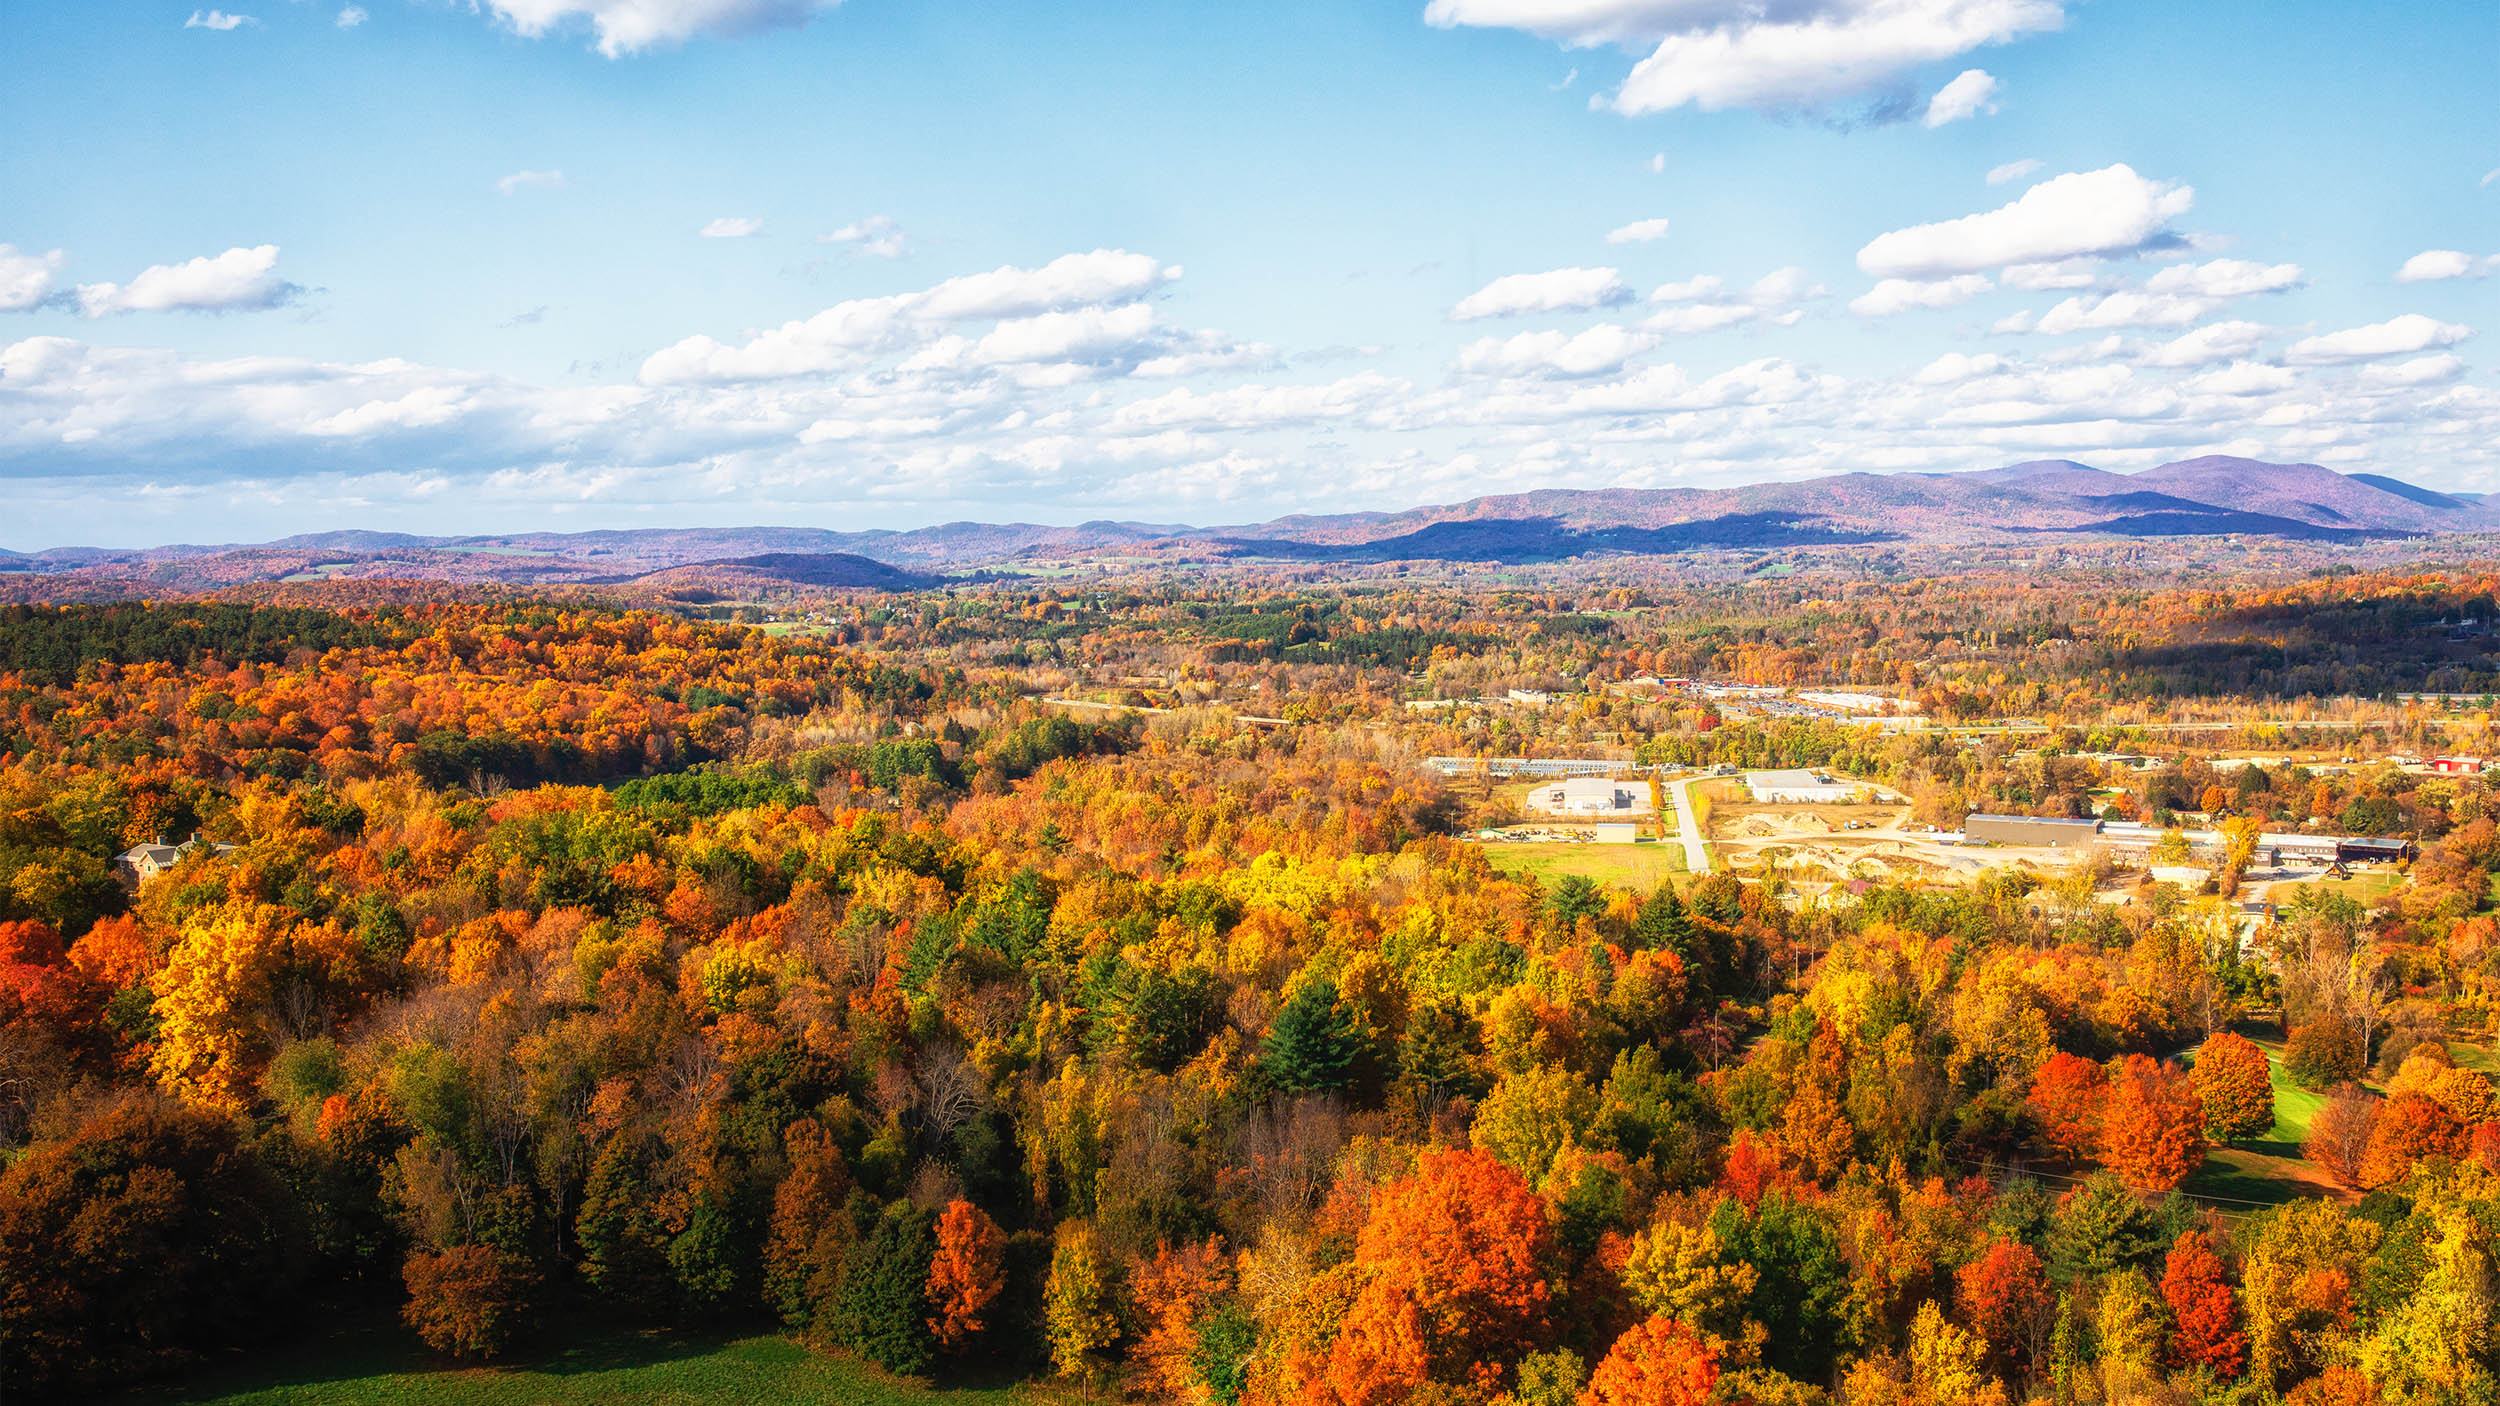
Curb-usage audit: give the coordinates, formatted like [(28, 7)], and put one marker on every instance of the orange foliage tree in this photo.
[(2410, 1127), (2066, 1099), (2233, 1082), (1658, 1362), (2004, 1297), (2340, 1134), (1460, 1259), (965, 1274), (2153, 1128)]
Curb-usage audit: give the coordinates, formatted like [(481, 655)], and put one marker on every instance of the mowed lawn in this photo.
[(381, 1366), (1641, 867)]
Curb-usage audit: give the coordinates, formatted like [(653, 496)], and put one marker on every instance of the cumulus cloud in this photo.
[(2040, 278), (1715, 54), (2432, 265), (1785, 285), (1895, 295), (234, 281), (2098, 214), (217, 20), (1972, 92), (629, 26), (1637, 232), (26, 277), (2125, 308), (2243, 378), (878, 236), (2225, 278), (529, 180), (352, 16), (2397, 336), (1700, 285), (2220, 341), (731, 227), (1958, 366), (1598, 350), (1557, 290), (1658, 163), (1259, 407), (2420, 371), (2012, 170), (847, 334)]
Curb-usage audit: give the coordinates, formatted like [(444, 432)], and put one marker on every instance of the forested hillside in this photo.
[(570, 959)]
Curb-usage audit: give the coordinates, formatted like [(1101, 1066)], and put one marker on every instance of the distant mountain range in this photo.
[(2211, 496)]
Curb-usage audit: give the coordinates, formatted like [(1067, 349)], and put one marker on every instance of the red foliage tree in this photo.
[(1751, 1168), (2206, 1330), (2153, 1127), (1659, 1362), (2066, 1099), (2005, 1299)]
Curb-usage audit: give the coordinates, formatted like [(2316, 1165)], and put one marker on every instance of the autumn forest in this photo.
[(1086, 982)]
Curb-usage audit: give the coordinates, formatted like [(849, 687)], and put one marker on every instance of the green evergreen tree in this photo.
[(2101, 1227), (624, 1248), (1311, 1046), (1663, 923), (1438, 1052), (707, 1258), (882, 1309)]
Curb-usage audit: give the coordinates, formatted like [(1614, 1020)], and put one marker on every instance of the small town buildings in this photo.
[(2455, 766), (1799, 787), (1591, 795)]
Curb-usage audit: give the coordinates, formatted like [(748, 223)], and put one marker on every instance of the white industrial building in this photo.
[(1799, 788), (1590, 795)]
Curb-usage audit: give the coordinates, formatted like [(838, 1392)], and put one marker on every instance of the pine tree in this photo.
[(1311, 1046), (882, 1309), (1663, 924), (624, 1247)]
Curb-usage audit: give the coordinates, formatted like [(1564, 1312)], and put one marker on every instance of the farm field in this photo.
[(1642, 866), (378, 1365)]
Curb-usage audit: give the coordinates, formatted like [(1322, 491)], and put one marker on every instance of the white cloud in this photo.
[(2041, 278), (1700, 285), (352, 16), (1558, 290), (26, 277), (1716, 54), (2395, 337), (846, 335), (1957, 366), (2421, 371), (529, 180), (2220, 341), (2432, 265), (2012, 170), (1972, 92), (1895, 295), (2243, 378), (878, 236), (2225, 278), (1637, 232), (731, 227), (1691, 319), (1658, 163), (236, 280), (2125, 308), (1258, 407), (1598, 350), (628, 26), (1784, 286), (2104, 213), (217, 20)]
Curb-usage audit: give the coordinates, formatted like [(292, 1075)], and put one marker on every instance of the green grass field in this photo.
[(2474, 1057), (380, 1365), (2364, 888), (1641, 867), (2267, 1170)]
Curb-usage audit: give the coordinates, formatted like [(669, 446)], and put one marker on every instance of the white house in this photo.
[(1590, 795), (1799, 788)]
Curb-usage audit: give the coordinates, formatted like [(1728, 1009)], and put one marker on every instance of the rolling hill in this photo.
[(2213, 495)]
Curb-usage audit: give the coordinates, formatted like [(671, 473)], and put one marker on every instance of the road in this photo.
[(1696, 853)]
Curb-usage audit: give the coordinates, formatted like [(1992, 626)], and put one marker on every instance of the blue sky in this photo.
[(283, 265)]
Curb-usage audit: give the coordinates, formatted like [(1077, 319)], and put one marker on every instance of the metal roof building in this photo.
[(2036, 830)]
